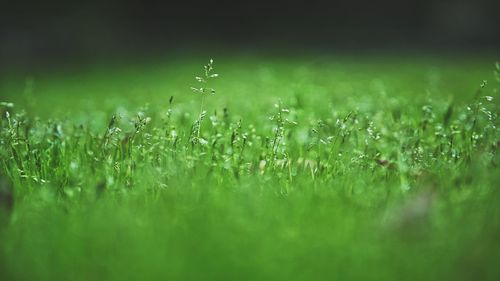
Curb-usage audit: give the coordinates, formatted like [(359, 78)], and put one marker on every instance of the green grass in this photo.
[(312, 169)]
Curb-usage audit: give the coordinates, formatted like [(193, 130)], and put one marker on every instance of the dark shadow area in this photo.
[(42, 33)]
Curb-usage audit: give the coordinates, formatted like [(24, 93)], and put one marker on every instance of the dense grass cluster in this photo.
[(289, 172)]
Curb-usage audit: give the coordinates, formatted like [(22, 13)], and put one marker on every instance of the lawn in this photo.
[(296, 168)]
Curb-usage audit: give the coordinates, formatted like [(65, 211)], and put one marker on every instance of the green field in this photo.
[(297, 168)]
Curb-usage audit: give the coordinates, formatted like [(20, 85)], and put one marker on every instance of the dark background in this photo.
[(47, 32)]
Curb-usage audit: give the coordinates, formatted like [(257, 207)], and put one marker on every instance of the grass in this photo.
[(308, 170)]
